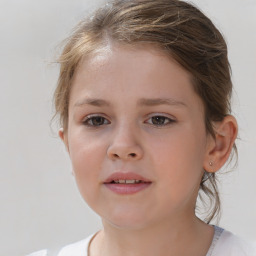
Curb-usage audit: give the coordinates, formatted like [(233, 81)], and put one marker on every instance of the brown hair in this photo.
[(175, 27)]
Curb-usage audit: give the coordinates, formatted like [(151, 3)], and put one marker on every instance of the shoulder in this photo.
[(75, 249), (232, 245), (38, 253)]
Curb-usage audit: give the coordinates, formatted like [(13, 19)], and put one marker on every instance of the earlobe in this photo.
[(65, 141), (63, 138), (61, 133), (220, 148)]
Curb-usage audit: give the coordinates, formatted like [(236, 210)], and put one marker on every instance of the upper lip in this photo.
[(125, 176)]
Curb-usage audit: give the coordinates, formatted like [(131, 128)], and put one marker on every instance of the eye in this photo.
[(95, 121), (160, 120)]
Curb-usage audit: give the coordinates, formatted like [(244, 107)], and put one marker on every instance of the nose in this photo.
[(125, 146)]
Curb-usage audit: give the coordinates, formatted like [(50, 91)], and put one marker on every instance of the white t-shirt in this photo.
[(224, 243)]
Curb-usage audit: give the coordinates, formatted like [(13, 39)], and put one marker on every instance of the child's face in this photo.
[(145, 119)]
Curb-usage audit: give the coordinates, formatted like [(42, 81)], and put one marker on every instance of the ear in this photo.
[(219, 149), (63, 137)]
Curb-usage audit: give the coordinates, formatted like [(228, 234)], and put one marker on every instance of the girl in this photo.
[(144, 103)]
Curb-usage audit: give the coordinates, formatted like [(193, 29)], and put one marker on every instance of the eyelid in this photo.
[(171, 117), (93, 115), (90, 116), (167, 116)]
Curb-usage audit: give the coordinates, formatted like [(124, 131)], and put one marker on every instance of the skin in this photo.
[(172, 154)]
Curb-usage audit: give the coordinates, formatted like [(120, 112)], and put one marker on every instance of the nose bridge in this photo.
[(125, 142)]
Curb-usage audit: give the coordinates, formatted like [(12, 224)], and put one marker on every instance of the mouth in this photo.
[(126, 183)]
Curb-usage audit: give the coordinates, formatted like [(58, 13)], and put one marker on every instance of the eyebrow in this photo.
[(93, 102), (142, 102), (160, 101)]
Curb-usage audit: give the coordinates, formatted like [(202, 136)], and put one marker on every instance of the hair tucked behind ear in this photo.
[(180, 30)]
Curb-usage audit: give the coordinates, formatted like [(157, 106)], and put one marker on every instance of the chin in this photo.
[(126, 225), (126, 221)]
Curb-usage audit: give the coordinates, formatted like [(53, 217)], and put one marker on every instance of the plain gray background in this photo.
[(40, 204)]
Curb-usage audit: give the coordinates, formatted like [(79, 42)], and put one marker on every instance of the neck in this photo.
[(170, 238)]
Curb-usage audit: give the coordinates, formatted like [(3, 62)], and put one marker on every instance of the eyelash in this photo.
[(168, 119), (89, 121), (91, 118)]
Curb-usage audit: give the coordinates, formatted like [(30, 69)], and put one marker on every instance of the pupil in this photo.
[(158, 120), (97, 120)]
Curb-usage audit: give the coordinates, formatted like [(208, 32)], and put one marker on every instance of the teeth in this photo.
[(130, 181), (126, 181)]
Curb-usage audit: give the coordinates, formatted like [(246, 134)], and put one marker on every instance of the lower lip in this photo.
[(126, 189)]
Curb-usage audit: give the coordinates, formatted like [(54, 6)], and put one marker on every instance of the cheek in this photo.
[(179, 158), (85, 151), (178, 166), (87, 159)]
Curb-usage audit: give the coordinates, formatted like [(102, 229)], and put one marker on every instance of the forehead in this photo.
[(109, 51), (114, 56), (130, 71)]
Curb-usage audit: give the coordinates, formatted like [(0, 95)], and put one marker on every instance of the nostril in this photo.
[(126, 154)]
